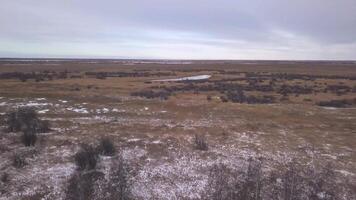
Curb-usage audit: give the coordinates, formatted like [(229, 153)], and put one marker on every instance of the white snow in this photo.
[(33, 104), (43, 111), (188, 78), (78, 110)]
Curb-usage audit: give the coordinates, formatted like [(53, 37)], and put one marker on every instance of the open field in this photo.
[(271, 111)]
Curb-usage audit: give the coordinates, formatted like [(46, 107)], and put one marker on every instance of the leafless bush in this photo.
[(106, 147), (29, 138), (25, 119), (81, 185), (118, 186), (86, 158), (91, 184), (200, 142), (18, 161)]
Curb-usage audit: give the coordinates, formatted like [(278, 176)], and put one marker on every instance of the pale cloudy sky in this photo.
[(179, 29)]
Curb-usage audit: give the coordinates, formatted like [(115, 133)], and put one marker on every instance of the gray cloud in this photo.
[(226, 29)]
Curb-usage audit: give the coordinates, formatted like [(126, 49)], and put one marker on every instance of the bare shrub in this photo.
[(81, 185), (106, 147), (25, 119), (18, 161), (200, 142), (86, 158), (29, 138), (119, 185)]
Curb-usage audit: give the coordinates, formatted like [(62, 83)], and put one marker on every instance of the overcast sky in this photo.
[(179, 29)]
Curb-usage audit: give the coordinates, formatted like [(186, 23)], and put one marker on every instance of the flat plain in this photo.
[(276, 112)]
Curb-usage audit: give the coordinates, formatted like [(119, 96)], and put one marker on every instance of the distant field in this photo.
[(272, 111)]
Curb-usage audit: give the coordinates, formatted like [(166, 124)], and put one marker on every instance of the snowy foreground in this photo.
[(158, 147)]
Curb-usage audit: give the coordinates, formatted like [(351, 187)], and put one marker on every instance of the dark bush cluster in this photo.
[(339, 89), (239, 97), (103, 75), (150, 94), (294, 89), (37, 76), (234, 89), (343, 103)]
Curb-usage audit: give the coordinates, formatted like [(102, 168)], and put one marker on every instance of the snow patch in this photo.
[(188, 78)]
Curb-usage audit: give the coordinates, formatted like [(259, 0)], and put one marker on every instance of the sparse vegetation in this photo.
[(292, 181), (159, 157), (200, 142)]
